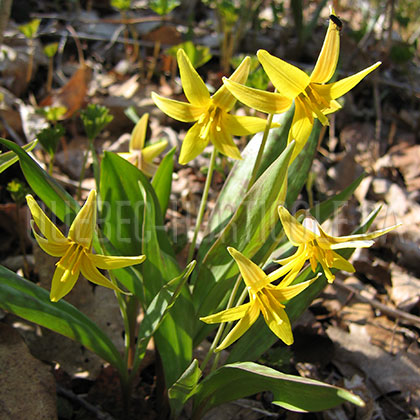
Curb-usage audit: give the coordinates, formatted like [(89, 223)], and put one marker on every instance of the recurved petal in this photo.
[(283, 293), (223, 98), (269, 102), (139, 133), (295, 232), (278, 321), (222, 139), (337, 89), (362, 240), (83, 226), (107, 262), (154, 150), (63, 281), (54, 248), (241, 327), (289, 80), (91, 273), (243, 126), (342, 264), (228, 315), (253, 276), (301, 127), (47, 228), (328, 57), (194, 88), (181, 111), (192, 145)]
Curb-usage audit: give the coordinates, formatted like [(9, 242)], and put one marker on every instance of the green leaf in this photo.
[(197, 54), (130, 203), (163, 7), (50, 50), (247, 231), (61, 203), (157, 310), (9, 158), (162, 180), (239, 380), (31, 302), (95, 118), (180, 391), (29, 29), (49, 138)]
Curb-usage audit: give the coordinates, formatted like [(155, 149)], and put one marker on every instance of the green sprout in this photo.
[(29, 30), (50, 51)]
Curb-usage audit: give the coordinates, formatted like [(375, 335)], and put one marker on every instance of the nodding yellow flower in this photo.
[(313, 97), (318, 247), (263, 298), (75, 250), (140, 156), (211, 113)]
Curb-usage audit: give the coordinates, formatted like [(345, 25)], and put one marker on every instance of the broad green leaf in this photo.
[(157, 310), (55, 197), (23, 298), (180, 391), (197, 54), (247, 231), (133, 223), (162, 181), (295, 393), (9, 158)]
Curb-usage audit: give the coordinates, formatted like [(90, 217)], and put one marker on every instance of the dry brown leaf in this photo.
[(72, 94), (166, 35)]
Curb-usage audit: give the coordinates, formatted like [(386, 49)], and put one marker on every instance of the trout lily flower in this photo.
[(263, 298), (75, 250), (140, 156), (312, 95), (211, 113), (315, 245)]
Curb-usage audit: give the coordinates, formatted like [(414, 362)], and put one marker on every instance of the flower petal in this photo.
[(181, 111), (278, 321), (328, 57), (192, 145), (194, 88), (91, 273), (139, 133), (56, 249), (282, 293), (253, 276), (83, 226), (223, 98), (47, 228), (241, 327), (342, 264), (154, 150), (242, 125), (301, 127), (269, 102), (108, 262), (289, 80), (222, 139), (295, 232), (228, 315), (337, 89), (63, 281)]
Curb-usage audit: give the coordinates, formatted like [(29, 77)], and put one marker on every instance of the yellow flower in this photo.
[(75, 250), (211, 113), (140, 156), (317, 246), (263, 297), (313, 97)]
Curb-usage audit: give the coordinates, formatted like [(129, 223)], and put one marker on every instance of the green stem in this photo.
[(51, 164), (82, 174), (202, 204), (95, 163), (260, 152)]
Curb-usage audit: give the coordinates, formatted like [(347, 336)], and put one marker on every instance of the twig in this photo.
[(102, 415), (393, 313)]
